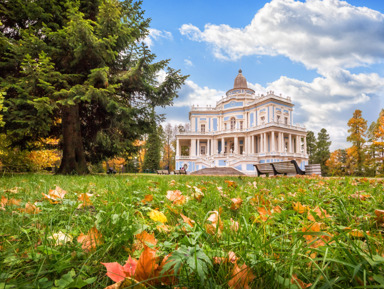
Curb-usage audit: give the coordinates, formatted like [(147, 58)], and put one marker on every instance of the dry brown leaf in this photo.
[(91, 240), (144, 237), (297, 281), (241, 277), (236, 203)]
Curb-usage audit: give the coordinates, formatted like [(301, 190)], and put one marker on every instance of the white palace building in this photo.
[(243, 129)]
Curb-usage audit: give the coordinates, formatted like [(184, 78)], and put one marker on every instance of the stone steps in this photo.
[(219, 171)]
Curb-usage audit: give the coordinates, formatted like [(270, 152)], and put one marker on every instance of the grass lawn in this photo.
[(191, 231)]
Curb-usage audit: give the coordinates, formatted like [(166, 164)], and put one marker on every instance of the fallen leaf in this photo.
[(297, 281), (157, 216), (230, 183), (54, 196), (360, 196), (241, 277), (90, 241), (30, 209), (147, 199), (176, 197), (301, 209), (379, 215), (147, 265), (187, 220), (236, 203), (118, 273), (85, 200), (234, 225), (61, 238), (144, 237), (321, 213)]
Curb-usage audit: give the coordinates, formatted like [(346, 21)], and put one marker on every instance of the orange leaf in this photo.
[(147, 265), (379, 215), (86, 201), (236, 203), (130, 266), (147, 199), (241, 277), (30, 209), (297, 281), (231, 183), (145, 237), (301, 209), (55, 195), (115, 271), (91, 240), (176, 197), (187, 220)]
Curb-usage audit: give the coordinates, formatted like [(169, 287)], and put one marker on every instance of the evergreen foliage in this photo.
[(322, 153), (311, 146), (152, 155), (79, 70)]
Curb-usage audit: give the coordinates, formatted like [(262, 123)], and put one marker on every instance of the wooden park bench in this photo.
[(279, 168), (180, 172), (162, 172)]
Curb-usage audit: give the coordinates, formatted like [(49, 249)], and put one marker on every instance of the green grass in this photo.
[(274, 249)]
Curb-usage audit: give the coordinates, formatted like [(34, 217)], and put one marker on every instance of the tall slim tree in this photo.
[(79, 70), (378, 140), (153, 147), (357, 129), (168, 149), (322, 149), (311, 146)]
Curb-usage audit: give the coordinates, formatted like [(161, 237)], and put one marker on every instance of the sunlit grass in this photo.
[(275, 248)]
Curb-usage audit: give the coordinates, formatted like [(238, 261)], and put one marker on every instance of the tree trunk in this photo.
[(73, 161)]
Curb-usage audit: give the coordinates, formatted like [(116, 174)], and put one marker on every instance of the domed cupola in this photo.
[(240, 81)]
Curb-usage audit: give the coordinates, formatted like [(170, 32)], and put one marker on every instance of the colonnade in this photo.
[(264, 142)]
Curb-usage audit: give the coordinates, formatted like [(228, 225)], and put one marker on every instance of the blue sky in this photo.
[(326, 54)]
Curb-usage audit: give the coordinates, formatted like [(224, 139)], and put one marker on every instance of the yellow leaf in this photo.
[(158, 216)]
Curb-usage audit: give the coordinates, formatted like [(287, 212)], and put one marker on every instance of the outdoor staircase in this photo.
[(219, 171)]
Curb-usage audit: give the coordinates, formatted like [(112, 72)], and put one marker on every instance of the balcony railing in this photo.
[(242, 156), (254, 128)]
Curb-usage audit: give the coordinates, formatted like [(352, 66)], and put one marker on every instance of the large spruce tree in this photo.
[(311, 146), (79, 70)]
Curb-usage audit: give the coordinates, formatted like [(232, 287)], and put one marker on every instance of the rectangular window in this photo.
[(241, 125), (202, 150), (203, 128), (286, 120)]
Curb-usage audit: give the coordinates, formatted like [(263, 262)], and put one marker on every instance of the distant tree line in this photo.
[(366, 155)]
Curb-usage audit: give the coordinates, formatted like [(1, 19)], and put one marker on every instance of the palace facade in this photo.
[(243, 129)]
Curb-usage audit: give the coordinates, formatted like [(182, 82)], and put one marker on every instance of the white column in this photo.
[(297, 144), (273, 141), (192, 152), (212, 147), (222, 145), (265, 142), (252, 144), (198, 147), (305, 144), (290, 143), (177, 147), (236, 146)]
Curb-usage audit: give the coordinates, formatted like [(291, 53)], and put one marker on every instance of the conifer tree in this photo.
[(153, 147), (79, 70), (357, 129), (311, 146), (322, 153)]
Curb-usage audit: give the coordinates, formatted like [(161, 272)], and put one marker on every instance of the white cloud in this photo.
[(161, 75), (319, 34), (328, 101), (330, 36), (155, 34), (188, 62), (193, 94)]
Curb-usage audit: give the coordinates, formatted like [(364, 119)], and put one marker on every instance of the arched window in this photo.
[(233, 123)]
